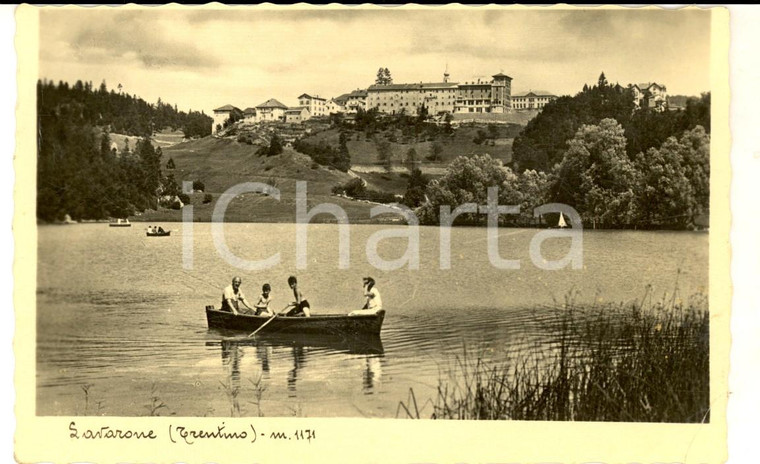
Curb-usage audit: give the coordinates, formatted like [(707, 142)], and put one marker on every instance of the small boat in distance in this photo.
[(120, 223), (561, 224), (327, 324), (157, 232)]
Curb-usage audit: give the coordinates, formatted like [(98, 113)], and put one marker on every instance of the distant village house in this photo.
[(650, 95), (533, 100), (221, 115), (271, 110), (297, 115), (315, 105)]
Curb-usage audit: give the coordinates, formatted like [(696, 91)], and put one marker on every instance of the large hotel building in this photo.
[(443, 97)]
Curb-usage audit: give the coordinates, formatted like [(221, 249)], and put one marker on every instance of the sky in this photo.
[(202, 59)]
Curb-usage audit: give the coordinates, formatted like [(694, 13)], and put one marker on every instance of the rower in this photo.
[(232, 296)]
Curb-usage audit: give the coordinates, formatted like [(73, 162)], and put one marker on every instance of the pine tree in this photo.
[(380, 79), (602, 81), (387, 77)]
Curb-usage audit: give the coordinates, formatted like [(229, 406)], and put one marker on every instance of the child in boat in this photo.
[(373, 302), (262, 306), (300, 305)]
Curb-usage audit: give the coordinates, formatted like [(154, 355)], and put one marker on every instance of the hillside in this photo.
[(224, 162), (363, 148), (220, 163)]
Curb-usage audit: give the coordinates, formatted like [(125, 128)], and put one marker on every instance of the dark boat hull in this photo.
[(329, 324), (158, 234), (119, 225)]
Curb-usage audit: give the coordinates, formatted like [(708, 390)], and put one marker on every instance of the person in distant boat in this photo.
[(233, 296), (300, 305), (262, 306), (373, 302), (160, 230)]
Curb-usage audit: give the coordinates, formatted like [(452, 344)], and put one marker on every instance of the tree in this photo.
[(411, 159), (674, 186), (384, 155), (415, 189), (343, 158), (596, 177), (544, 140), (533, 187), (383, 77), (466, 181), (602, 83), (435, 152), (275, 146), (697, 113)]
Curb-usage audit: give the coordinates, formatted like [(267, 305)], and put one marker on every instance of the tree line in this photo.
[(79, 173), (121, 112), (666, 187)]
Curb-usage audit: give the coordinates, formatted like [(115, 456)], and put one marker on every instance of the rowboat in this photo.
[(120, 223), (327, 324), (163, 233)]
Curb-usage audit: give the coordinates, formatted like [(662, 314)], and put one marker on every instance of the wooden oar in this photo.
[(270, 320)]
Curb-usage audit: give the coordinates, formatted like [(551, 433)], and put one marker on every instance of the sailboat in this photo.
[(561, 224)]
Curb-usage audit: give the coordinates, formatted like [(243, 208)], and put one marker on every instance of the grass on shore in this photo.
[(641, 363)]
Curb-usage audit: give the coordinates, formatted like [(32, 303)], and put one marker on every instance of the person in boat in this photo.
[(160, 230), (233, 296), (300, 305), (262, 306), (373, 302)]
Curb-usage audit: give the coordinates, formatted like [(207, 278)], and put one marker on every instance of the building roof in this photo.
[(475, 84), (225, 108), (646, 85), (342, 99), (534, 93), (502, 75), (313, 97), (419, 86), (272, 103), (358, 93), (249, 110), (296, 109)]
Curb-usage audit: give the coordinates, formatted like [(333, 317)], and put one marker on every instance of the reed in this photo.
[(257, 387), (156, 405), (646, 362)]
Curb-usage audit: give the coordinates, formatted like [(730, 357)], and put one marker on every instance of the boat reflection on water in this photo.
[(234, 347)]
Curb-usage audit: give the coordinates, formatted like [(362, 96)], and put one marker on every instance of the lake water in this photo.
[(121, 328)]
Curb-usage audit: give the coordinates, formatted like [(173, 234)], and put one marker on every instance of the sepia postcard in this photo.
[(372, 234)]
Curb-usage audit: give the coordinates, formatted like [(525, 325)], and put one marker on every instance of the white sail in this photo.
[(561, 222)]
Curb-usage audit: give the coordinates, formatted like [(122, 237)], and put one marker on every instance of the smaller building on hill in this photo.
[(297, 114), (334, 106), (249, 115), (351, 102), (316, 105), (271, 110), (650, 95), (221, 115), (533, 100)]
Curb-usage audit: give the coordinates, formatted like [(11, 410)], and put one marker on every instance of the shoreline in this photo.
[(375, 221)]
